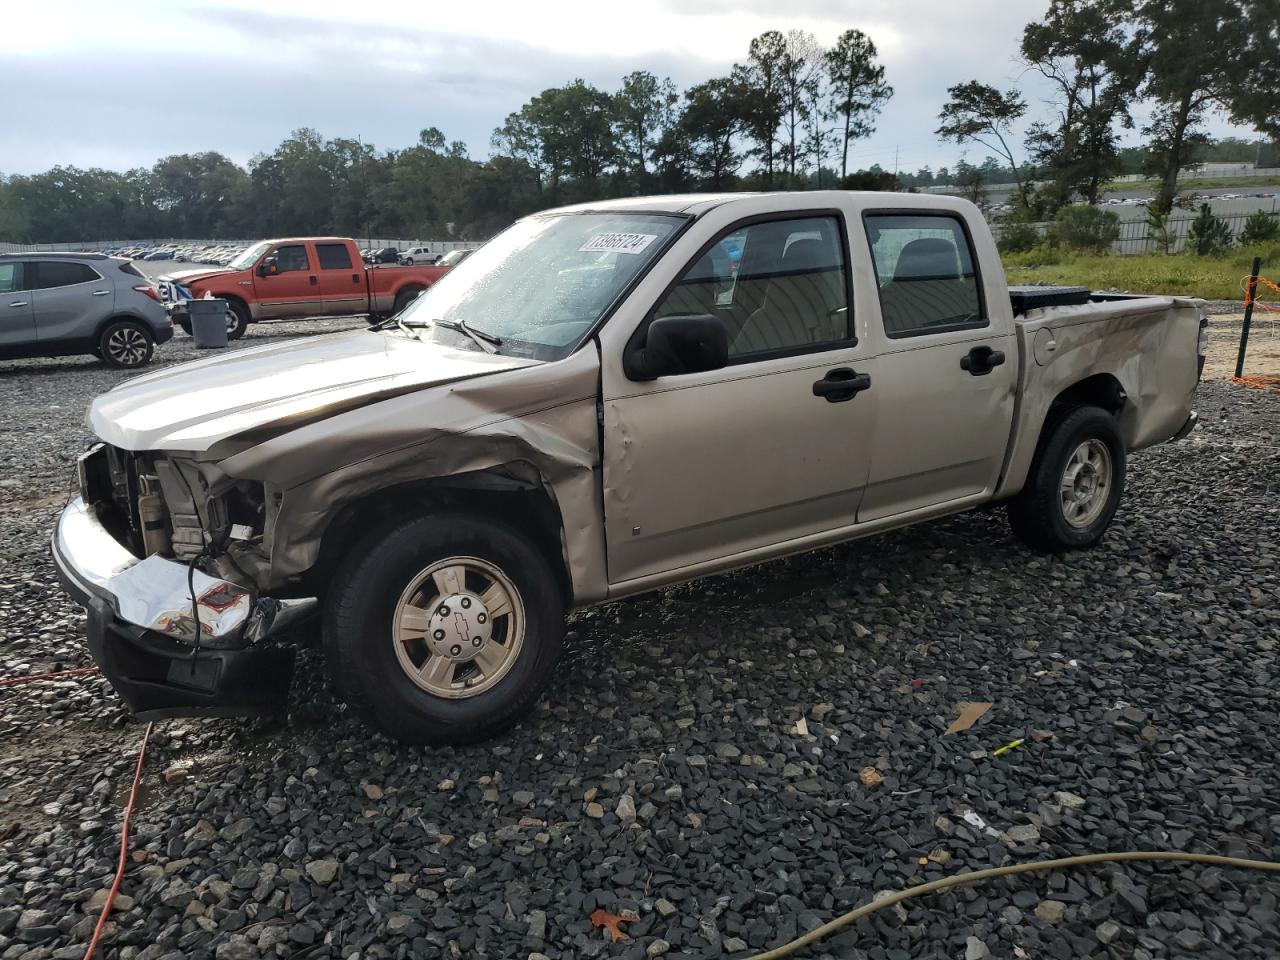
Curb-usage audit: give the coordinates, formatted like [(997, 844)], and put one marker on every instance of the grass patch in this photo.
[(1213, 278), (1194, 183)]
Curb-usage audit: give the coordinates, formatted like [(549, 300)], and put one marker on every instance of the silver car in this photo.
[(55, 305)]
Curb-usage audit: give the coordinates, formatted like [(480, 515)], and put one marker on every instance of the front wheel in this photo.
[(1073, 488), (237, 319), (443, 629)]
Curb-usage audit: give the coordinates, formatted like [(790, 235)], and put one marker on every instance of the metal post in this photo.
[(1251, 291)]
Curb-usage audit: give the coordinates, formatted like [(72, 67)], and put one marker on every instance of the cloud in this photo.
[(111, 91)]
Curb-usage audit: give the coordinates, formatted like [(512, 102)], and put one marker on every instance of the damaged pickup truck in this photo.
[(603, 400)]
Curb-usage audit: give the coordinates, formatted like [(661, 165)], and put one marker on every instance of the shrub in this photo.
[(1083, 226), (1209, 236), (1158, 231), (1017, 236), (1260, 228)]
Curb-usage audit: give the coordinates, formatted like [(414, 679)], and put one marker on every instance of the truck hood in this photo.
[(193, 274), (249, 394)]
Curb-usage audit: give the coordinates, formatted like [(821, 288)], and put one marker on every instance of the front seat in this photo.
[(801, 305)]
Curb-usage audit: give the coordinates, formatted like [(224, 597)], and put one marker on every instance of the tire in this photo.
[(384, 618), (404, 298), (185, 327), (237, 319), (1080, 445), (407, 261), (125, 345)]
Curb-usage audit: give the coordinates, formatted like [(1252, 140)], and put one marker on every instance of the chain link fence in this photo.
[(1136, 236)]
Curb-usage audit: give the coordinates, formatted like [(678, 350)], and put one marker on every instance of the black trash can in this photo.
[(208, 322)]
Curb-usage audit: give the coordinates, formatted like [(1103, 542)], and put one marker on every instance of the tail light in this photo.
[(148, 290)]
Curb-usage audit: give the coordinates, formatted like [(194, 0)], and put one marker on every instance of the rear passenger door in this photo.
[(70, 299), (947, 366), (17, 319), (342, 288)]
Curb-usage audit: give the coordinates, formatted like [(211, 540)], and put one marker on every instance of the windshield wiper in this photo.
[(487, 342)]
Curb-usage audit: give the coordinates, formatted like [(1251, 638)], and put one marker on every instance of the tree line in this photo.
[(785, 117), (1187, 59)]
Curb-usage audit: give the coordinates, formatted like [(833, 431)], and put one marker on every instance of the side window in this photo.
[(924, 267), (779, 286), (10, 277), (332, 256), (293, 258), (44, 274)]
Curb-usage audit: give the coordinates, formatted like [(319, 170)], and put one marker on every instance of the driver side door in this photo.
[(704, 467), (294, 291)]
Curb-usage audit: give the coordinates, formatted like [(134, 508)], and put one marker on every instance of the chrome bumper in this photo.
[(155, 593)]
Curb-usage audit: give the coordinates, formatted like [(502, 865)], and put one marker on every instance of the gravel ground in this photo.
[(702, 757)]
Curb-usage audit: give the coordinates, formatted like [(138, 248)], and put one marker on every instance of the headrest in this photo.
[(930, 258), (805, 254)]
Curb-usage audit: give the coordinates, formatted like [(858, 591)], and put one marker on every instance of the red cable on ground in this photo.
[(124, 847), (19, 681)]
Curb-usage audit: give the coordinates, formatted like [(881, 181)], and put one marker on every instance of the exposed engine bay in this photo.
[(180, 509)]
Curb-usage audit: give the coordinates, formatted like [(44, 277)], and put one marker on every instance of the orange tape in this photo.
[(1251, 288), (1259, 383)]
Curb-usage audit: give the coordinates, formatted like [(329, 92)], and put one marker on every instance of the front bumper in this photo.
[(141, 628)]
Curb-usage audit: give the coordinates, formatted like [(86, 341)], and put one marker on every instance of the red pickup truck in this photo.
[(297, 277)]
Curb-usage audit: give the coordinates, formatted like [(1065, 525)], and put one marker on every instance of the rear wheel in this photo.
[(1074, 485), (125, 345), (406, 297), (443, 629)]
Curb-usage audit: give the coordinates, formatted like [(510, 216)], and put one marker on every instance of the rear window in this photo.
[(333, 256), (130, 269), (925, 271), (59, 273)]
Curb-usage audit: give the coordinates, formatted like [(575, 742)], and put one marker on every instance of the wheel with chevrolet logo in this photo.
[(444, 629)]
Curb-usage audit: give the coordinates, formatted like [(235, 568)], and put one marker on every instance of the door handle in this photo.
[(19, 303), (313, 280), (981, 360), (840, 384), (100, 293)]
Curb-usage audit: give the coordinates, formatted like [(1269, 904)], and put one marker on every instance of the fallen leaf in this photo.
[(610, 922), (969, 714), (870, 777), (694, 820), (373, 791)]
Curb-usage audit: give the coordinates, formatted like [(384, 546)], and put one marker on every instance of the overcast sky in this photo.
[(120, 85)]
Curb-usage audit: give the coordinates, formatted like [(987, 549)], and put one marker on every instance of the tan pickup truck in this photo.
[(603, 400)]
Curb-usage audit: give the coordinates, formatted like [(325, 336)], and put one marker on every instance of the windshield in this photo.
[(542, 284), (247, 258)]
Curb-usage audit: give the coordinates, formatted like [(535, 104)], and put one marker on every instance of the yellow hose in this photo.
[(960, 878)]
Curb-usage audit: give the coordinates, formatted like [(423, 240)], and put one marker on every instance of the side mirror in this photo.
[(268, 267), (686, 343)]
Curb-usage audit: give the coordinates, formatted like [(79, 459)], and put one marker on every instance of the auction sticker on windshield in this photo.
[(618, 243)]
